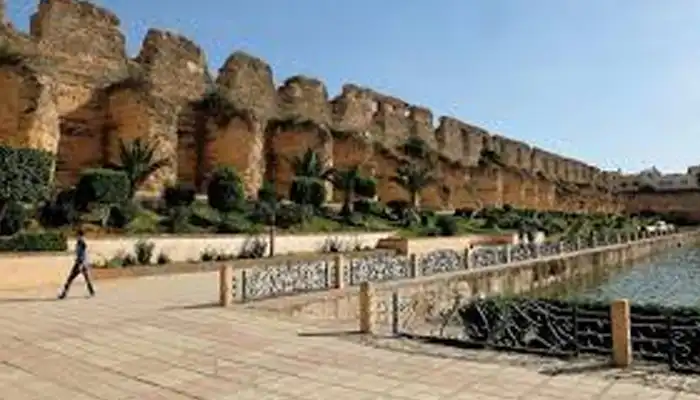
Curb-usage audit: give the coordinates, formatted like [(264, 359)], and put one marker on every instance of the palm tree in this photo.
[(346, 181), (308, 165), (413, 178), (139, 161)]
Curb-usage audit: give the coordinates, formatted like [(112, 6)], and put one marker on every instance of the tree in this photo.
[(414, 178), (308, 184), (25, 176), (225, 191), (347, 181), (139, 162)]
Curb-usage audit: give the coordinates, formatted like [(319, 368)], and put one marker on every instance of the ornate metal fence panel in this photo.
[(488, 256), (665, 337), (440, 261), (377, 268), (541, 326), (288, 278), (522, 252), (569, 245), (593, 329), (685, 344), (548, 249)]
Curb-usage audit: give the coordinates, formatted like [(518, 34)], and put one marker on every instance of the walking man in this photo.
[(79, 267)]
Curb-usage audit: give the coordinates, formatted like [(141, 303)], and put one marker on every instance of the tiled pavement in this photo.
[(157, 338)]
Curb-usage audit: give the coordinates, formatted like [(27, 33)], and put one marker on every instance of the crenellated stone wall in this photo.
[(70, 88)]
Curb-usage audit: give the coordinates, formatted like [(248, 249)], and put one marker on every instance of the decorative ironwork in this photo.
[(548, 249), (441, 261), (530, 325), (288, 278), (670, 336), (569, 245), (488, 256), (377, 268), (522, 252)]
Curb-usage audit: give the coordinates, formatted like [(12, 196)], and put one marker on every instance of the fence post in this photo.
[(395, 312), (414, 265), (240, 285), (225, 284), (621, 333), (508, 248), (340, 263), (366, 311), (467, 259)]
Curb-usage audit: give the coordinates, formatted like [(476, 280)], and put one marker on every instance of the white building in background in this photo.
[(652, 178)]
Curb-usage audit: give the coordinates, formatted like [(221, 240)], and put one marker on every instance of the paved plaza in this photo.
[(161, 338)]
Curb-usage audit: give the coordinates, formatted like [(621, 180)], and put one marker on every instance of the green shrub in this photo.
[(102, 186), (144, 251), (446, 225), (369, 207), (34, 241), (120, 215), (366, 187), (25, 174), (13, 220), (267, 193), (180, 195), (233, 223), (289, 215), (59, 211), (308, 191), (178, 220), (225, 190)]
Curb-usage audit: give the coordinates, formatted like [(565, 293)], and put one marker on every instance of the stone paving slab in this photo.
[(161, 338)]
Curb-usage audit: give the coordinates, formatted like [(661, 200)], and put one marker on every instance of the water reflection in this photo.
[(670, 279)]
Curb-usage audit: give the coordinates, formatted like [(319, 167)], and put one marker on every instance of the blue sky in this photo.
[(615, 83)]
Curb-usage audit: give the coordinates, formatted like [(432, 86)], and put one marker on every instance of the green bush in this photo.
[(120, 215), (233, 223), (34, 241), (60, 211), (13, 220), (225, 190), (368, 207), (180, 195), (366, 187), (178, 220), (289, 215), (308, 191), (102, 186), (446, 225), (267, 193), (25, 174)]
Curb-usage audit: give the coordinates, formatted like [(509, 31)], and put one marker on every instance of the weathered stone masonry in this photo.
[(73, 91)]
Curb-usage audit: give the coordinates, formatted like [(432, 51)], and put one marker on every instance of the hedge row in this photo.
[(34, 242)]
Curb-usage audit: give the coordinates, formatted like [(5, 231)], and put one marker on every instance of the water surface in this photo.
[(670, 279)]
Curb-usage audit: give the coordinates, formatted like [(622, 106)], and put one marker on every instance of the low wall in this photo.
[(190, 248), (430, 293), (36, 270), (456, 243)]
